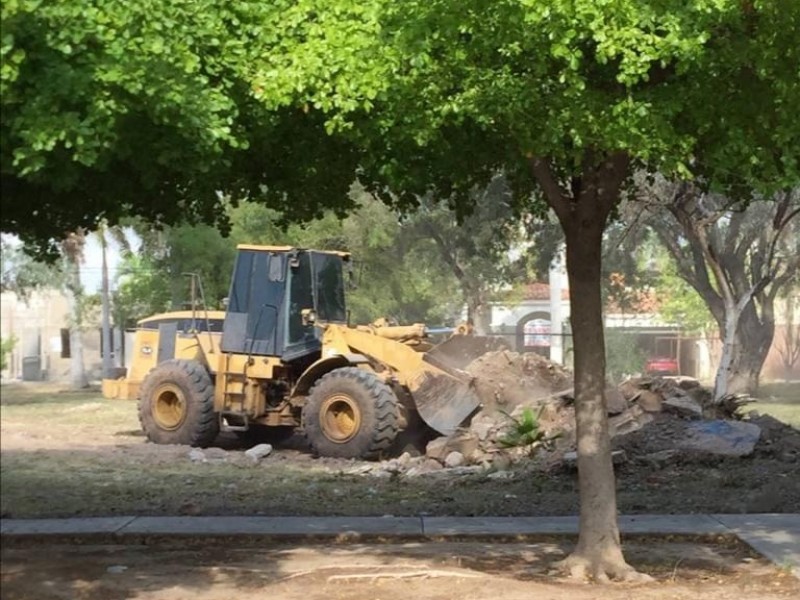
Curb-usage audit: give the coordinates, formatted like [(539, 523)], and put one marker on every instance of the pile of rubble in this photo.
[(651, 421), (505, 379)]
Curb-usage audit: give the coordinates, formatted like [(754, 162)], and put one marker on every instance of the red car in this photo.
[(662, 366)]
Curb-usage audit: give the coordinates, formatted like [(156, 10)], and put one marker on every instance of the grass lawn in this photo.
[(780, 400)]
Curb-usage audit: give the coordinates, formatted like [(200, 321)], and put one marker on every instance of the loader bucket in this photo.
[(443, 401), (459, 351)]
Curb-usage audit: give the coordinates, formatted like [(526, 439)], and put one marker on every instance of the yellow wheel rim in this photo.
[(169, 406), (340, 418)]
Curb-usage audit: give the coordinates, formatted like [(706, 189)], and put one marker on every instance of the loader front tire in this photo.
[(351, 413), (176, 404)]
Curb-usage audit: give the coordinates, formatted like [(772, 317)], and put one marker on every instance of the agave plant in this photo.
[(524, 431)]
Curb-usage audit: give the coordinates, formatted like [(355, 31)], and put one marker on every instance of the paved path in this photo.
[(775, 536)]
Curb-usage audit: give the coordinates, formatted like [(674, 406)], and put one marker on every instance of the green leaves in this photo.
[(524, 432), (113, 108)]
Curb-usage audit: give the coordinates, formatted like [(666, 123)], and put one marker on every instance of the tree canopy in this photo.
[(112, 108)]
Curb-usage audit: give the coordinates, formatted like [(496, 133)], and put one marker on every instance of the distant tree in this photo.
[(202, 250), (483, 250), (679, 303), (396, 267), (72, 249), (738, 258), (142, 290), (6, 347), (21, 273)]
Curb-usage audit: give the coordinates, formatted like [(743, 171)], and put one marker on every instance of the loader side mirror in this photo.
[(309, 316)]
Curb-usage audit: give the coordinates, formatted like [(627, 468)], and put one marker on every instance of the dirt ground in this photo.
[(76, 454), (429, 571)]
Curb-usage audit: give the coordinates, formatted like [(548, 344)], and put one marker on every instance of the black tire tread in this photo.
[(379, 435), (201, 426)]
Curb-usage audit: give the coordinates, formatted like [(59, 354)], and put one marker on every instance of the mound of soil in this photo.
[(506, 379)]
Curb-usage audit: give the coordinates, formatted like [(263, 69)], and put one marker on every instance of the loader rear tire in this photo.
[(350, 413), (176, 404)]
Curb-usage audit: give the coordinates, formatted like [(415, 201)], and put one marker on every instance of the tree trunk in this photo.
[(746, 340), (750, 353), (598, 552), (479, 313), (583, 210), (77, 373)]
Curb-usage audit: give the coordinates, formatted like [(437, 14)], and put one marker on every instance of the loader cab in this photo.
[(271, 288)]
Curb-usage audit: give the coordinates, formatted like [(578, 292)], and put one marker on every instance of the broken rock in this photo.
[(256, 453), (631, 420), (649, 401), (466, 443), (615, 401), (683, 407), (454, 459), (196, 455), (482, 428), (425, 467), (722, 438)]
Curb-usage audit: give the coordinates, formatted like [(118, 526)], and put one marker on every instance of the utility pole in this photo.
[(106, 306), (556, 279)]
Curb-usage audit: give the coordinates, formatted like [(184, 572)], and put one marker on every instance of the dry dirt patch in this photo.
[(425, 571)]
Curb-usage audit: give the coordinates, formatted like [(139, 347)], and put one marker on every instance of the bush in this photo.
[(6, 346), (623, 356)]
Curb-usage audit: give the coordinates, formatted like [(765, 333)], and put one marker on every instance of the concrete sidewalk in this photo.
[(775, 536)]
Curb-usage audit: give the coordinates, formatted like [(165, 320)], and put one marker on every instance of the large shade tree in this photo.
[(738, 258), (567, 96)]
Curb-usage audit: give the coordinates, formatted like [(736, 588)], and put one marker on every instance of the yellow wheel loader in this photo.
[(283, 356)]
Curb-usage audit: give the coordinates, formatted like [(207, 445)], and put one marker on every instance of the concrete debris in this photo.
[(506, 379), (501, 475), (256, 453), (482, 426), (649, 401), (685, 382), (683, 407), (196, 455), (464, 442), (629, 421), (654, 422), (116, 569), (454, 459), (721, 438), (424, 467), (615, 401)]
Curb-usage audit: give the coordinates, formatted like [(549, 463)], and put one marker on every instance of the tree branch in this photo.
[(558, 200)]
